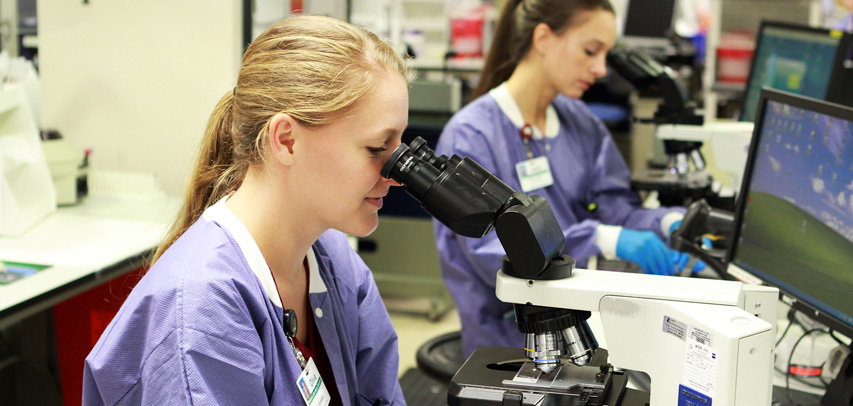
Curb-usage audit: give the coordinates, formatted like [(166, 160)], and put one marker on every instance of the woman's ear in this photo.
[(542, 37), (281, 137)]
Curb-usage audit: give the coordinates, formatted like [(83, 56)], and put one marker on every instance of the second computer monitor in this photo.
[(792, 58)]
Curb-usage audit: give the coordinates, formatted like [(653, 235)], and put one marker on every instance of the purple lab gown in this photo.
[(200, 327)]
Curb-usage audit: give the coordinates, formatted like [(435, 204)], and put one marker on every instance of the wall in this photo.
[(746, 15), (136, 80)]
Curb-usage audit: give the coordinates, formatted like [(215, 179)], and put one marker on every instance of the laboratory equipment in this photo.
[(684, 179), (645, 72), (696, 340), (729, 144), (794, 220), (406, 270), (64, 162), (793, 58), (26, 190), (799, 59)]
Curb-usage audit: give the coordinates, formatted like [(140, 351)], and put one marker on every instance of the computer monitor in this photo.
[(793, 224), (794, 58), (648, 23)]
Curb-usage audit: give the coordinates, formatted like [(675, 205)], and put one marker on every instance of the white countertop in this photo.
[(77, 242)]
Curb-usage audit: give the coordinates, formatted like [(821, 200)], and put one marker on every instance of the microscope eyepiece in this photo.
[(390, 166), (456, 191), (416, 173), (420, 149)]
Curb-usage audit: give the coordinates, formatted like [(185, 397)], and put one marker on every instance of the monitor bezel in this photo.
[(821, 107), (763, 26), (841, 78)]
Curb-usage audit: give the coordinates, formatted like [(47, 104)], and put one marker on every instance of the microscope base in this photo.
[(486, 378)]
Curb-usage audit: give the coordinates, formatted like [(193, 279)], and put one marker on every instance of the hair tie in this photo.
[(235, 91)]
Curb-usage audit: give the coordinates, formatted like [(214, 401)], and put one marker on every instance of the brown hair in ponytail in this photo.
[(312, 68), (513, 35)]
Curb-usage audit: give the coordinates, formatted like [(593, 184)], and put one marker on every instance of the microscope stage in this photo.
[(503, 376)]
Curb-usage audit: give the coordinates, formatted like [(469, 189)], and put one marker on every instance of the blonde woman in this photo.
[(256, 297)]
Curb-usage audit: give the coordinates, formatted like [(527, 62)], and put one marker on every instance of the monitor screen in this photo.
[(794, 220), (649, 18), (796, 59)]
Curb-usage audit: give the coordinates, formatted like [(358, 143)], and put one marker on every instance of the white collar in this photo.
[(509, 107), (221, 215)]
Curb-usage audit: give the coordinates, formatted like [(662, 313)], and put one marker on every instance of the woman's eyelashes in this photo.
[(376, 151), (591, 52)]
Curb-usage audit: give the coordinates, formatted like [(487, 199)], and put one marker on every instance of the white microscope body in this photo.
[(689, 335)]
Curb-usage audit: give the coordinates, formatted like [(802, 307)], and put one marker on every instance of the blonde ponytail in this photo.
[(312, 68)]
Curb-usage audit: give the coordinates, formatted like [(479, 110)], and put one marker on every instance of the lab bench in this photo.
[(94, 251)]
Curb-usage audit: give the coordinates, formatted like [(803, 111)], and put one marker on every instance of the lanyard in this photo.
[(290, 325), (526, 132)]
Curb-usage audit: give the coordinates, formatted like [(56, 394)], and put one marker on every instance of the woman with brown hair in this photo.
[(256, 296), (528, 128)]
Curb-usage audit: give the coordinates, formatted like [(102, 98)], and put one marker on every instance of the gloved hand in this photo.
[(645, 249), (681, 259), (674, 226)]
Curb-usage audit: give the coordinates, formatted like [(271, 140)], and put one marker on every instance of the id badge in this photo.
[(311, 386), (534, 173)]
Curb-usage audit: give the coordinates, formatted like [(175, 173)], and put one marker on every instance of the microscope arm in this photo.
[(586, 288)]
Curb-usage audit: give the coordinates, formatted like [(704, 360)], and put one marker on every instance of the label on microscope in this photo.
[(674, 327), (701, 336), (700, 368)]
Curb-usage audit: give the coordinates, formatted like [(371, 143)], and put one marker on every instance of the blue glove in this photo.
[(681, 259), (674, 226), (645, 249)]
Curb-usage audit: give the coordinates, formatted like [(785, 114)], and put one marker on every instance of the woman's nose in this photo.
[(599, 69), (392, 182)]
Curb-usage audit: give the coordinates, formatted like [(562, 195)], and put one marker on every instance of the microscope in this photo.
[(682, 128), (695, 341)]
